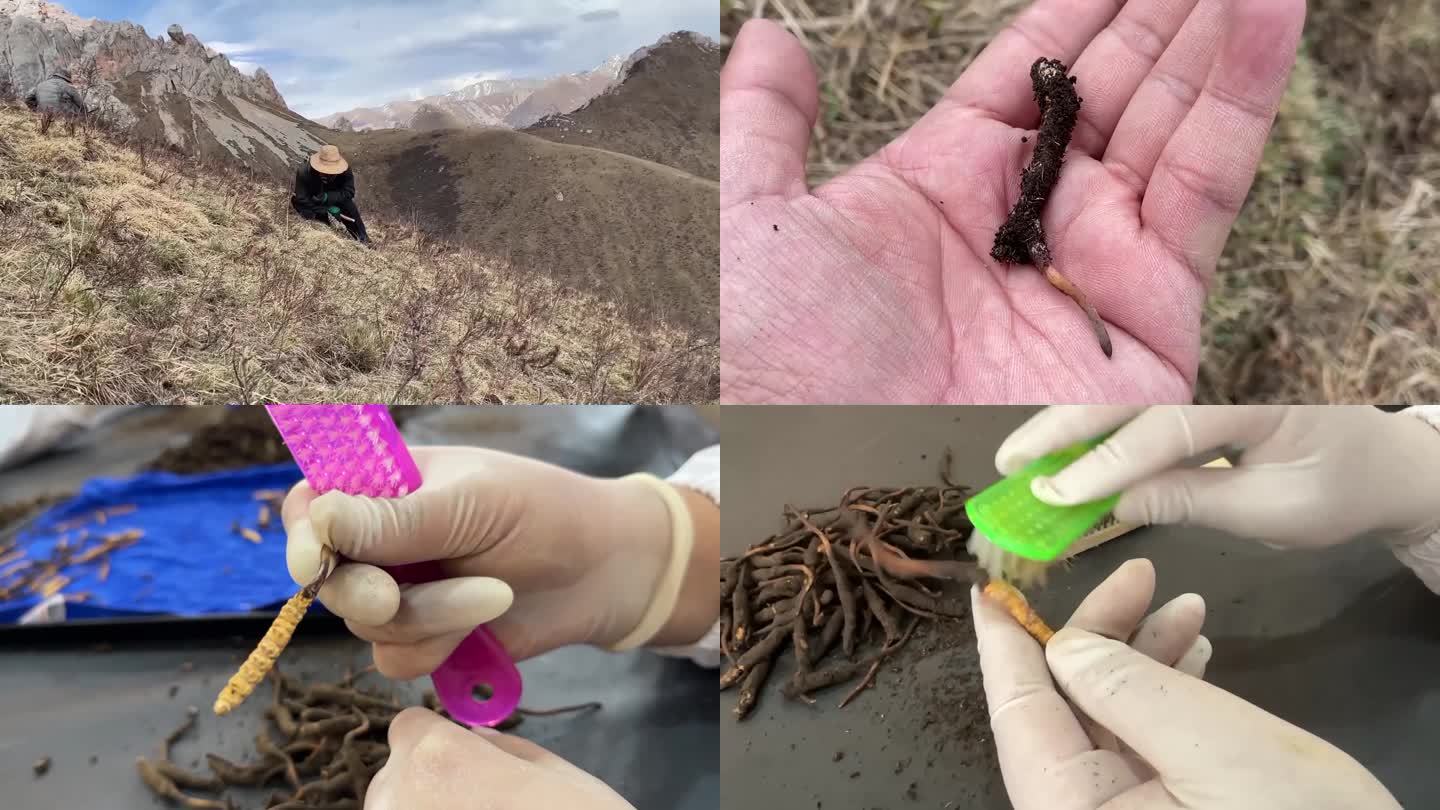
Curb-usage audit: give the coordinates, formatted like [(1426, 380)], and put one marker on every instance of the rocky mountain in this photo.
[(665, 108), (513, 103), (173, 87)]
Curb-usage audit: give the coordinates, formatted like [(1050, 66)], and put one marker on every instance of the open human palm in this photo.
[(878, 286)]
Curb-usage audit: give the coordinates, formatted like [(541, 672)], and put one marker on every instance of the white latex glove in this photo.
[(1309, 476), (437, 765), (1132, 727), (579, 556)]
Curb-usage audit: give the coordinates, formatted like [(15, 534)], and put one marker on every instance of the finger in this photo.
[(362, 593), (1141, 700), (1116, 606), (997, 83), (1114, 609), (1057, 427), (1165, 96), (769, 97), (535, 754), (1149, 795), (1156, 440), (459, 604), (380, 794), (404, 662), (418, 527), (1115, 63), (409, 727), (1205, 172), (296, 505), (1034, 728), (1171, 632), (1195, 659), (1222, 499)]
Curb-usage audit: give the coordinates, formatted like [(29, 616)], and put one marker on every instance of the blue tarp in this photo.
[(189, 563)]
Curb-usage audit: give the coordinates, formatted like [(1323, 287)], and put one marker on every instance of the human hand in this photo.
[(582, 555), (436, 765), (878, 285), (1125, 726), (1309, 476)]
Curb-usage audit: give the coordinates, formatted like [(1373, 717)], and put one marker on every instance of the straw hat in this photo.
[(328, 161)]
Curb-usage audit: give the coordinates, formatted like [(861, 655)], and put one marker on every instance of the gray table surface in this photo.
[(1343, 642), (655, 741)]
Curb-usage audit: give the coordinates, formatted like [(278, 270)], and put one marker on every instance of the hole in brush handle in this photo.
[(480, 661), (478, 684)]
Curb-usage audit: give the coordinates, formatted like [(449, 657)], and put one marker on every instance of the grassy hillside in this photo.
[(1329, 289), (134, 275), (667, 111), (631, 231)]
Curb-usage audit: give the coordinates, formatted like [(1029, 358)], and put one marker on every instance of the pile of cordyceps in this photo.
[(858, 577), (322, 745)]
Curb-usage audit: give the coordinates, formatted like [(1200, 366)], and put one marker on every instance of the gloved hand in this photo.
[(437, 765), (583, 556), (1140, 729), (335, 210), (1307, 476)]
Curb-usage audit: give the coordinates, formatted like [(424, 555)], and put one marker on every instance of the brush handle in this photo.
[(356, 449), (478, 684)]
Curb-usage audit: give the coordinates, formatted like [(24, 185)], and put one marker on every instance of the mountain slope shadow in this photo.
[(641, 234)]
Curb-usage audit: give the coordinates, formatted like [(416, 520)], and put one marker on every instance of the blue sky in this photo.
[(328, 57)]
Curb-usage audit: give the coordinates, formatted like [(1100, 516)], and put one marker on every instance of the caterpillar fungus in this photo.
[(263, 658)]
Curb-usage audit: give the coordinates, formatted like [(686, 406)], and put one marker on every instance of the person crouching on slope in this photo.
[(55, 98), (325, 187)]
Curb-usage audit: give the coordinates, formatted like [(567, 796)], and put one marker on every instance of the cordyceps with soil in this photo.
[(323, 744), (1021, 239), (319, 747), (845, 587)]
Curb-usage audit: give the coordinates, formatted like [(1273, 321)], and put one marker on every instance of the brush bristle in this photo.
[(1005, 565)]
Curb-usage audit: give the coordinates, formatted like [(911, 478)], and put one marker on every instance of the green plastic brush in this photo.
[(1017, 536)]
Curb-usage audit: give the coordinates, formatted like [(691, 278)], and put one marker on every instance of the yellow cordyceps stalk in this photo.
[(1016, 605), (267, 652)]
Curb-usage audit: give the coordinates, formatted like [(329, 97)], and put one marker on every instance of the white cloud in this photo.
[(379, 50), (248, 68), (234, 48)]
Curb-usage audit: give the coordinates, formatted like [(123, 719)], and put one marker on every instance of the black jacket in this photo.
[(310, 185)]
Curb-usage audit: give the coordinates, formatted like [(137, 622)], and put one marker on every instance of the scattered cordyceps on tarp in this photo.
[(844, 587), (82, 541)]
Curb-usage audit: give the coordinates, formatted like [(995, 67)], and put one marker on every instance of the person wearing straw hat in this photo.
[(325, 188)]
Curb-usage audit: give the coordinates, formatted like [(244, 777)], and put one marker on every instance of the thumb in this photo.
[(1181, 726), (769, 97), (1191, 732), (418, 527)]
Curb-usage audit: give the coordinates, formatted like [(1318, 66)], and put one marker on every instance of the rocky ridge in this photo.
[(174, 87)]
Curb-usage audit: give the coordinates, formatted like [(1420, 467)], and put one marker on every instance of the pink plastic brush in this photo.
[(357, 449)]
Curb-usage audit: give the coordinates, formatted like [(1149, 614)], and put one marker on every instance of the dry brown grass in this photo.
[(1329, 289), (132, 274)]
